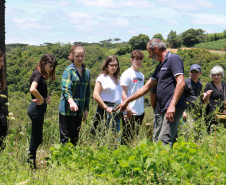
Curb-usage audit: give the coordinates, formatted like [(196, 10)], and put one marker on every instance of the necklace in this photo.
[(219, 87)]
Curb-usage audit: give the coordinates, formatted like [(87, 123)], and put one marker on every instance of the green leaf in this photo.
[(132, 158), (57, 146), (116, 174)]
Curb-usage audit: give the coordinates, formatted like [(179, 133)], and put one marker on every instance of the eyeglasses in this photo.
[(194, 71), (50, 66), (216, 74), (113, 65)]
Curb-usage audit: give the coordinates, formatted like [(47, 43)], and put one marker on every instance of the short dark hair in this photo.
[(137, 54), (106, 63), (2, 74), (47, 58)]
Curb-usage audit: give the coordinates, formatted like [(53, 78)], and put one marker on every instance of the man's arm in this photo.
[(153, 100), (141, 92), (170, 113)]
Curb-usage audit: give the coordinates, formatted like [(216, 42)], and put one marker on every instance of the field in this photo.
[(213, 45), (197, 157)]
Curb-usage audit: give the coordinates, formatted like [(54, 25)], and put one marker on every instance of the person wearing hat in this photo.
[(192, 91)]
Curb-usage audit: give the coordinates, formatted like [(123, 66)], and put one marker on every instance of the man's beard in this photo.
[(155, 57)]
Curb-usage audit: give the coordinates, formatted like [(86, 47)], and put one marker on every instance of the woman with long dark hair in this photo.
[(108, 94), (36, 111), (3, 114)]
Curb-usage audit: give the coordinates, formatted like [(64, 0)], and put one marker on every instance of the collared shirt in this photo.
[(165, 74), (76, 87)]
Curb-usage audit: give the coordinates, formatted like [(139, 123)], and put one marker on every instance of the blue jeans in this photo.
[(113, 121)]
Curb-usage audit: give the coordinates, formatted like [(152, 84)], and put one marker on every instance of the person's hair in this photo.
[(2, 74), (47, 58), (217, 70), (108, 60), (137, 54), (156, 43), (75, 47)]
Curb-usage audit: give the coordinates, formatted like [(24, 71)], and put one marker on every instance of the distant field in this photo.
[(214, 45), (210, 50)]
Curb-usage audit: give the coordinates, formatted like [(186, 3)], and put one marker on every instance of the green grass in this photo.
[(197, 158)]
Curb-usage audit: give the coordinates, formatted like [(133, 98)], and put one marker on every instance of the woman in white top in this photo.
[(108, 94)]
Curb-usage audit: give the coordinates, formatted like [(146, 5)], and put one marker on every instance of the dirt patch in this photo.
[(210, 50)]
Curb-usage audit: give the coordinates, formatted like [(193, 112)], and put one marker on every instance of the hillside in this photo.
[(213, 45)]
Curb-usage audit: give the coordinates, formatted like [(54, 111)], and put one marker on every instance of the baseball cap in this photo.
[(195, 67)]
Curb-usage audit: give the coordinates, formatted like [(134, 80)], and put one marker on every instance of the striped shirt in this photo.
[(76, 87)]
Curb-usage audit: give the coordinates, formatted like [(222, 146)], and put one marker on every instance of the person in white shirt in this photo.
[(108, 94), (131, 80)]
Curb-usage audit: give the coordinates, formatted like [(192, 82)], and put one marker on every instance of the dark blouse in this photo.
[(42, 86), (217, 97)]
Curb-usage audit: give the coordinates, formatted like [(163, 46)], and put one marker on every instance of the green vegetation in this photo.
[(197, 158), (215, 45)]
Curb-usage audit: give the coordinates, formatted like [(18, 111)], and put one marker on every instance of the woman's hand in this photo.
[(38, 101), (73, 106), (224, 111), (48, 100), (85, 115), (184, 116), (109, 110)]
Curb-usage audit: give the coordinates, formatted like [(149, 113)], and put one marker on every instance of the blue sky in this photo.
[(39, 21)]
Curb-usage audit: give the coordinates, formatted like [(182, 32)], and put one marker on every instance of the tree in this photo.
[(116, 39), (189, 37), (224, 34), (158, 36), (200, 36), (173, 40), (139, 42)]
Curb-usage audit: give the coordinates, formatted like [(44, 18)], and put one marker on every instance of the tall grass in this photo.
[(13, 167)]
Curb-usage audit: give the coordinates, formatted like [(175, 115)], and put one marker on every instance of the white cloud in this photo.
[(119, 22), (187, 4), (117, 4), (53, 2), (28, 23), (13, 11), (81, 18), (208, 19), (173, 23)]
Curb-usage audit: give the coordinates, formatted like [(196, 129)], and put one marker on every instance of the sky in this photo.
[(67, 21)]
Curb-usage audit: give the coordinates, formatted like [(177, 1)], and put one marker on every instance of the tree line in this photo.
[(22, 60)]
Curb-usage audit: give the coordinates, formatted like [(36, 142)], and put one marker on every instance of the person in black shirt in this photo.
[(3, 113), (192, 90), (217, 97), (38, 88)]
